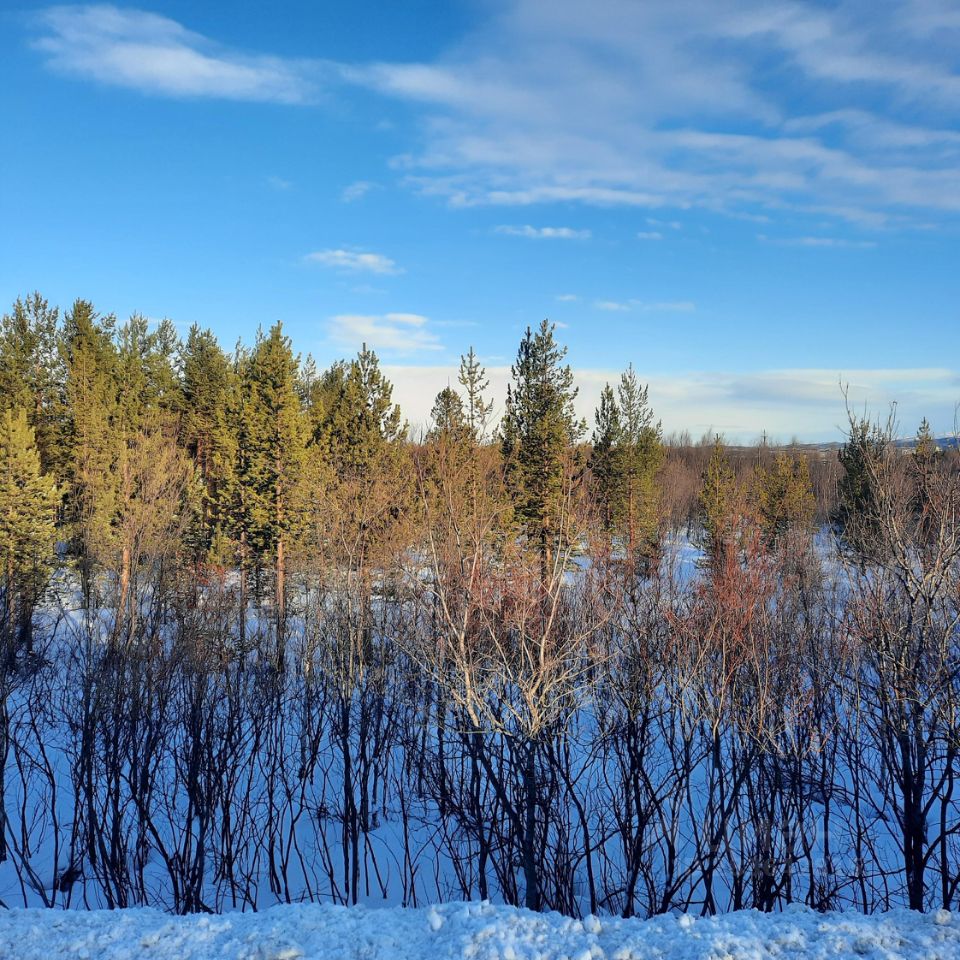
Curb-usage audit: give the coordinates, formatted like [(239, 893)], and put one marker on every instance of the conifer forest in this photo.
[(262, 641)]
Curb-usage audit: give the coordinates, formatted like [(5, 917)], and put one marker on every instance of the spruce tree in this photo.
[(539, 428), (857, 510), (28, 513)]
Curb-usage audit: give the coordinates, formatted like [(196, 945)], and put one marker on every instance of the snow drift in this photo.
[(478, 931)]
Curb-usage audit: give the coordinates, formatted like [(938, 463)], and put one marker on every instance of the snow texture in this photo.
[(478, 931)]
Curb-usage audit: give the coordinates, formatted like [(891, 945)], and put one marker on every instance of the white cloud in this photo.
[(711, 129), (611, 305), (278, 183), (649, 235), (567, 297), (356, 190), (154, 54), (543, 233), (355, 261), (401, 333)]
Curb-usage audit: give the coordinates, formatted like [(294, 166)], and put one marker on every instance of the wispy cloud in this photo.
[(154, 54), (400, 333), (504, 126), (354, 261), (356, 190), (829, 242), (567, 297), (649, 235), (279, 183), (646, 306), (543, 233)]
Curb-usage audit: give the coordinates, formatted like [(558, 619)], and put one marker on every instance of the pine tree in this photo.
[(538, 429), (28, 512), (273, 440), (94, 448), (641, 458), (209, 386), (32, 375), (358, 421), (606, 464), (718, 504), (473, 379), (449, 419), (785, 497)]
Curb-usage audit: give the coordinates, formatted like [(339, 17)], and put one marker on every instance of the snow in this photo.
[(479, 931)]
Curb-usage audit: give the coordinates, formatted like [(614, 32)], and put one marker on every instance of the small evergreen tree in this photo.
[(477, 409), (785, 497), (641, 458), (606, 460), (860, 458), (718, 505), (538, 430)]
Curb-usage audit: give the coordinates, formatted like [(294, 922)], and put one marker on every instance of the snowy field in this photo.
[(475, 930)]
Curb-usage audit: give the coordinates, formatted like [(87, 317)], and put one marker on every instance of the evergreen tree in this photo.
[(94, 448), (627, 453), (641, 458), (358, 421), (28, 512), (473, 379), (209, 387), (538, 429), (32, 375), (273, 467), (718, 504), (606, 460), (857, 507), (785, 497), (449, 419)]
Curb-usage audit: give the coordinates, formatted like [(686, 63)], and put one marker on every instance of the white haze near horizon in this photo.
[(803, 404)]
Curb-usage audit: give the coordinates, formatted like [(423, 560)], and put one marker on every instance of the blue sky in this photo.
[(749, 200)]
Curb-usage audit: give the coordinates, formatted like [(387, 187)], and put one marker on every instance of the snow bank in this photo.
[(473, 930)]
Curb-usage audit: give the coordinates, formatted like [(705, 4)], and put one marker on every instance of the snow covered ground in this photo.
[(473, 930)]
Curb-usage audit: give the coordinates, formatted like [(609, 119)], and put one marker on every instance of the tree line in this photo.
[(260, 644)]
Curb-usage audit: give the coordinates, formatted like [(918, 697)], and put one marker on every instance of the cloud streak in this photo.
[(156, 55), (543, 233), (354, 261)]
